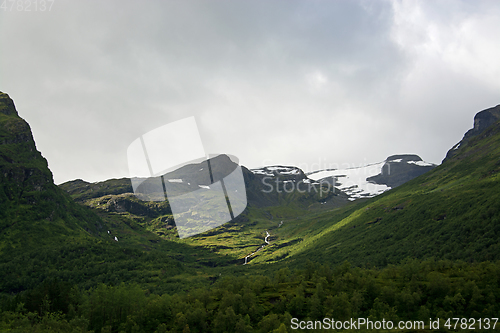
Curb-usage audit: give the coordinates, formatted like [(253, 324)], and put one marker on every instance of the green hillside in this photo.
[(32, 208), (93, 258), (44, 234), (448, 213), (451, 212), (235, 240)]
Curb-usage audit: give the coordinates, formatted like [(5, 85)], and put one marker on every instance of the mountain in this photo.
[(265, 187), (482, 121), (81, 190), (426, 249), (288, 185), (369, 180), (398, 169), (450, 212), (32, 208), (46, 235)]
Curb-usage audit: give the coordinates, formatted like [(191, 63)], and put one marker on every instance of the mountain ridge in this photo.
[(450, 212), (369, 180), (418, 251), (29, 199), (399, 169), (46, 235), (482, 120), (115, 196)]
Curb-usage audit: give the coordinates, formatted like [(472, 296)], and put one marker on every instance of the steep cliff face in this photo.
[(24, 173), (482, 120), (30, 202)]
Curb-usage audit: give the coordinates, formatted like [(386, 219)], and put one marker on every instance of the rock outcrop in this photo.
[(482, 120), (398, 169), (24, 173), (32, 207)]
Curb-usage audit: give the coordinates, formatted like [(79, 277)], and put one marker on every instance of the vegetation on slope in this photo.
[(33, 211), (452, 212), (424, 250), (413, 291)]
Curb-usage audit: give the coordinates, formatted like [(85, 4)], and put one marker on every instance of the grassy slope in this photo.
[(451, 212), (33, 211), (233, 240), (45, 234)]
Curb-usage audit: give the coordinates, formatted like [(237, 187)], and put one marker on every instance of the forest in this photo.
[(413, 290)]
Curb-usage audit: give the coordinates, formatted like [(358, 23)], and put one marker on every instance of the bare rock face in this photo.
[(482, 120), (399, 169)]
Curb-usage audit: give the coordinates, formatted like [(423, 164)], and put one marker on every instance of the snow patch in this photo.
[(291, 172), (261, 172), (274, 170), (420, 163), (353, 180), (278, 168)]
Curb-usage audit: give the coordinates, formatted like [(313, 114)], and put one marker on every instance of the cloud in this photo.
[(453, 52), (286, 82)]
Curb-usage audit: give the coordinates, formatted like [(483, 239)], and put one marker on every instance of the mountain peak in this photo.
[(279, 170), (369, 180), (404, 158), (482, 120), (27, 189), (398, 169), (7, 105)]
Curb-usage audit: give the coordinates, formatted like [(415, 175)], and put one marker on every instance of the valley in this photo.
[(401, 239)]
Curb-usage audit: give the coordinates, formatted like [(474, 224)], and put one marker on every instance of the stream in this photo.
[(260, 248)]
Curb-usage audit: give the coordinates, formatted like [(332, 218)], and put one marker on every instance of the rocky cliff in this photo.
[(32, 207), (398, 169), (23, 170), (482, 120)]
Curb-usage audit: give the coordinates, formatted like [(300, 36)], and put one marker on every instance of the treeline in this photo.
[(414, 290), (89, 263)]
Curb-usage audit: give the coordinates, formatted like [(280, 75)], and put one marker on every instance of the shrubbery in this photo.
[(413, 290)]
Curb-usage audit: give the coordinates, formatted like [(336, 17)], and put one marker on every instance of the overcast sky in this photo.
[(305, 83)]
